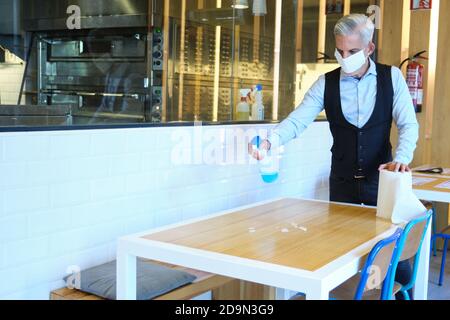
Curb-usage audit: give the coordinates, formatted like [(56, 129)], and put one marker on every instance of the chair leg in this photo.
[(433, 229), (444, 256), (406, 295), (433, 246)]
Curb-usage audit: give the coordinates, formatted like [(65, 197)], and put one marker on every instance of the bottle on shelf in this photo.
[(257, 106), (243, 107)]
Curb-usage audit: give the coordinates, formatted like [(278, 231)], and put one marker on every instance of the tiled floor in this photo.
[(436, 292)]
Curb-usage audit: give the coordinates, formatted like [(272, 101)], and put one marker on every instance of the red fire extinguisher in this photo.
[(414, 79), (421, 4)]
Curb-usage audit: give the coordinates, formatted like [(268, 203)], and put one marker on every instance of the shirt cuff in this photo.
[(402, 160), (275, 140)]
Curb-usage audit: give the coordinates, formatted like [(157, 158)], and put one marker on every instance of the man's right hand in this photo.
[(260, 153)]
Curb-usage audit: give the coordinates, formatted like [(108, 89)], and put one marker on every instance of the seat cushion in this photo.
[(153, 280), (347, 290)]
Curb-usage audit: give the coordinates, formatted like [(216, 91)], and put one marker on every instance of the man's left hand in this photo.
[(395, 167)]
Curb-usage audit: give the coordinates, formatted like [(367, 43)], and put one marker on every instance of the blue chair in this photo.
[(380, 256), (409, 245), (445, 236), (378, 264)]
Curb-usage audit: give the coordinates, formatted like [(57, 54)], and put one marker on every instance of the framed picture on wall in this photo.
[(421, 4), (335, 6)]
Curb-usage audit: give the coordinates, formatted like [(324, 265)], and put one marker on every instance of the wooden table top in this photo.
[(296, 233), (430, 182), (434, 184)]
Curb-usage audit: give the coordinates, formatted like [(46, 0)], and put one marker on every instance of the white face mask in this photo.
[(352, 63)]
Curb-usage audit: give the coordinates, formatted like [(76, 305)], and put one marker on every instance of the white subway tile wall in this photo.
[(67, 196)]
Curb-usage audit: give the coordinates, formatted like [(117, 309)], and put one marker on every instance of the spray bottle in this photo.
[(269, 165)]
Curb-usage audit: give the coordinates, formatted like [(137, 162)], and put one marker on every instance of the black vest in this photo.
[(360, 152)]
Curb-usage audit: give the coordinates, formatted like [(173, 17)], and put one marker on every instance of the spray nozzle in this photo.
[(245, 92)]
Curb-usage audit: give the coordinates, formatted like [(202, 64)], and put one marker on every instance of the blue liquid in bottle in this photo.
[(269, 178), (268, 171)]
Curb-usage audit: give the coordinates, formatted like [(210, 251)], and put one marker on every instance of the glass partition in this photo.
[(122, 62), (218, 51)]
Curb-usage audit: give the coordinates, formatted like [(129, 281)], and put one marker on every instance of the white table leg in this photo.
[(126, 276), (284, 294), (421, 287), (281, 294), (317, 293)]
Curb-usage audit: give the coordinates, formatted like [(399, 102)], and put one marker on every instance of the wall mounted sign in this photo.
[(334, 6), (421, 4)]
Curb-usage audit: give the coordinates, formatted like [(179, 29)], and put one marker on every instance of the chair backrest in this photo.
[(377, 266), (415, 236), (409, 245)]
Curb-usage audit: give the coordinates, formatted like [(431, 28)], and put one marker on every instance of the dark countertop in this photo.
[(21, 128), (43, 118)]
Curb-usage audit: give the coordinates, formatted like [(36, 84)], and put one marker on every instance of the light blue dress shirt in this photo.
[(358, 98)]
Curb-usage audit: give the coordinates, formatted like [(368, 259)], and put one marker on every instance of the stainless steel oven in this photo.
[(109, 70)]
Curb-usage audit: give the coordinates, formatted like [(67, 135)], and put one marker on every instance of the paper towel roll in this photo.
[(396, 199)]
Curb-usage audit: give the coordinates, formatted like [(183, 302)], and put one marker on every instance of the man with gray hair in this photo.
[(361, 100)]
